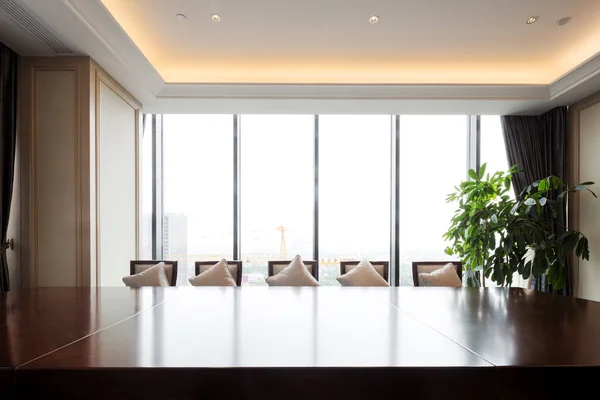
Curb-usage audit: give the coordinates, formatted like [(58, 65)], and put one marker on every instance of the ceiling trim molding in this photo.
[(576, 77), (99, 21), (343, 106), (94, 31), (339, 91)]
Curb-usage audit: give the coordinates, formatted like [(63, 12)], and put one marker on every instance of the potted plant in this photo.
[(498, 235)]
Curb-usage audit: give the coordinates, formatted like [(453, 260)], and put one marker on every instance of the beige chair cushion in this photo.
[(217, 275), (378, 267), (232, 269), (278, 267), (364, 274), (154, 275), (295, 274), (429, 268), (168, 269), (445, 276)]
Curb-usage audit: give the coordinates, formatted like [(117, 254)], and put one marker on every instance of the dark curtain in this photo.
[(8, 134), (537, 144)]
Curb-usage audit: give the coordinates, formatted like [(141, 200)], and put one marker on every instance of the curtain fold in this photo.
[(9, 65), (537, 144)]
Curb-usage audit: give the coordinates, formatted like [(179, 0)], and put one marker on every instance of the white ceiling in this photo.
[(331, 41), (424, 56)]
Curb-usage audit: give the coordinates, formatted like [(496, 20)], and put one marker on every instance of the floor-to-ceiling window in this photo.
[(249, 187), (354, 191), (433, 160), (198, 185), (277, 191)]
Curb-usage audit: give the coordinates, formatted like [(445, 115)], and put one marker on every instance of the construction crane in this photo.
[(282, 248)]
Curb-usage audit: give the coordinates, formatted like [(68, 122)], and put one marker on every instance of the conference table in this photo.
[(296, 343)]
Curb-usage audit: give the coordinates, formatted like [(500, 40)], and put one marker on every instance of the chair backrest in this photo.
[(382, 267), (137, 266), (235, 267), (426, 267), (276, 266)]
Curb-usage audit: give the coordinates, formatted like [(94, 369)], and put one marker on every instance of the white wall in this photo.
[(116, 186), (589, 207)]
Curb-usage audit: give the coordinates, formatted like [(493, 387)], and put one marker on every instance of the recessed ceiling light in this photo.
[(181, 17), (563, 21), (374, 19), (531, 20), (215, 17)]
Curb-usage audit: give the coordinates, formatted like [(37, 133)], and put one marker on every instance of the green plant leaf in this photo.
[(537, 266), (585, 251), (579, 248), (553, 273), (526, 271), (562, 279), (570, 241), (555, 182), (473, 175), (543, 186), (482, 170)]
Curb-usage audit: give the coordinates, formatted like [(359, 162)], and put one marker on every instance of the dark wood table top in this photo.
[(265, 328), (302, 342), (36, 322), (510, 327)]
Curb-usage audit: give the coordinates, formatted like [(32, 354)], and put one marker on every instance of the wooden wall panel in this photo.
[(55, 186), (79, 166), (54, 104)]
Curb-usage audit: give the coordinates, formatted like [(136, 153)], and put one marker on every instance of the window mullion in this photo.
[(236, 186), (316, 192), (473, 144), (395, 202)]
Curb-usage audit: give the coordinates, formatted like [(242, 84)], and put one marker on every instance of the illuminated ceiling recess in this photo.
[(316, 41)]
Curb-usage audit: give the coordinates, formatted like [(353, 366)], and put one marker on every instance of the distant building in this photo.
[(175, 246)]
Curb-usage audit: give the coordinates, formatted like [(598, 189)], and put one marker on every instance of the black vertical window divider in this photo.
[(316, 192), (236, 187), (395, 202)]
